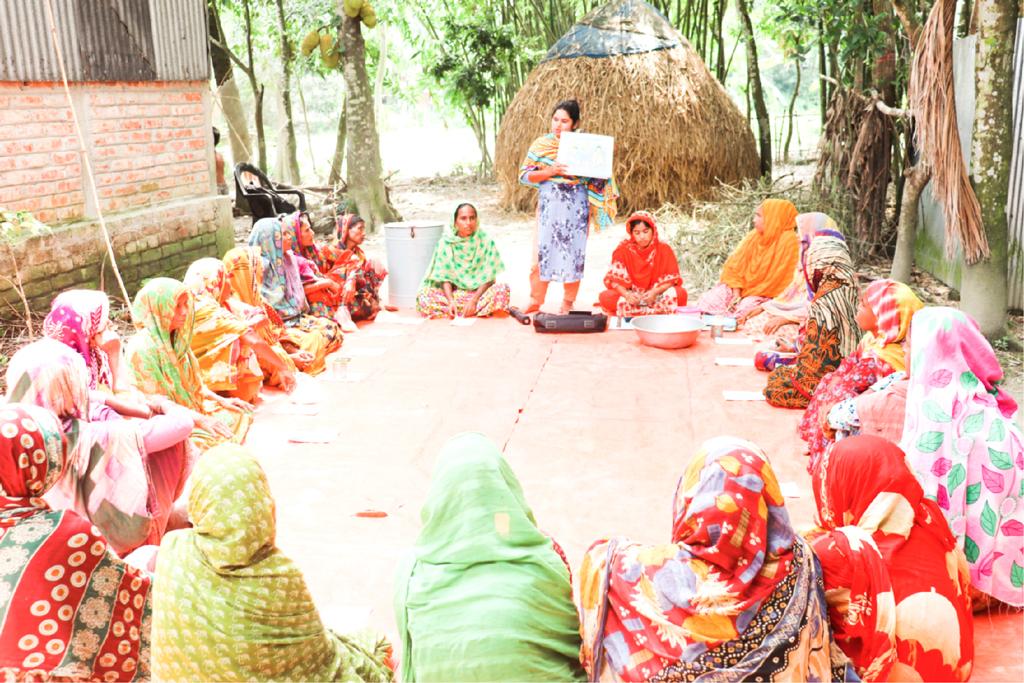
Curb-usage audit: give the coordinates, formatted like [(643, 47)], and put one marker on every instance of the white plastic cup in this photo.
[(339, 367)]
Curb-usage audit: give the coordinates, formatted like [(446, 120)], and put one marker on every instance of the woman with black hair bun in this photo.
[(567, 207)]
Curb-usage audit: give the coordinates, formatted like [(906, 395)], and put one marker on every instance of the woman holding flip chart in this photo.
[(567, 207)]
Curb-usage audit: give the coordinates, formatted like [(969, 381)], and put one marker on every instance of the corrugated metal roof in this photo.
[(112, 40)]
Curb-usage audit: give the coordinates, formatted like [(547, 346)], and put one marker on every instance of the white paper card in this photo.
[(617, 323), (738, 362), (462, 322), (789, 489), (586, 154), (313, 436), (734, 341), (732, 395)]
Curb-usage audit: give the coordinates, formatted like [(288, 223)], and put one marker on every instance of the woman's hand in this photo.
[(631, 297), (214, 426), (155, 404), (649, 298), (470, 309), (349, 294), (301, 358), (287, 380), (749, 314), (235, 403), (774, 323)]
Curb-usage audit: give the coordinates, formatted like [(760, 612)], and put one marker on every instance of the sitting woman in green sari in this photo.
[(229, 606), (460, 281), (161, 359), (485, 595)]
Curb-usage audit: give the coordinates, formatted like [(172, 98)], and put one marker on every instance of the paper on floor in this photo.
[(616, 323), (733, 395), (462, 322), (739, 362), (322, 435), (789, 489), (734, 341)]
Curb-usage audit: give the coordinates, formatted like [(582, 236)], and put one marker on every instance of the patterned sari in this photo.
[(75, 318), (485, 595), (108, 476), (360, 277), (640, 270), (828, 335), (467, 263), (736, 595), (243, 270), (224, 362), (896, 584), (878, 355), (229, 606), (281, 287), (163, 363), (965, 448), (69, 608)]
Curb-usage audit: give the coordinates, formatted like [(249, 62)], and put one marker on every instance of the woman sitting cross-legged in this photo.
[(123, 475), (281, 287), (644, 275), (735, 595), (72, 610), (229, 606), (828, 335), (485, 596), (161, 359), (460, 281), (897, 586), (360, 276), (761, 265)]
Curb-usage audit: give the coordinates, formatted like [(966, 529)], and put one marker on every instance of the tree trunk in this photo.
[(906, 233), (822, 71), (339, 145), (365, 184), (290, 152), (720, 41), (227, 92), (764, 132), (983, 291), (792, 106), (257, 88)]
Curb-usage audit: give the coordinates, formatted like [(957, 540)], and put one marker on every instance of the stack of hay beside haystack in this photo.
[(677, 133)]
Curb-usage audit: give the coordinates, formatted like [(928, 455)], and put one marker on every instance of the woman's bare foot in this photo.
[(344, 318), (532, 308), (566, 307)]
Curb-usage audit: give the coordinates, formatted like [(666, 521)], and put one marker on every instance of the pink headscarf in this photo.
[(75, 317)]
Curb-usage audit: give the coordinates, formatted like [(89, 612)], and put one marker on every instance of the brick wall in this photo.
[(150, 147), (147, 142)]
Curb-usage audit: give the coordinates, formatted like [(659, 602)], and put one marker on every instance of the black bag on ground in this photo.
[(574, 321)]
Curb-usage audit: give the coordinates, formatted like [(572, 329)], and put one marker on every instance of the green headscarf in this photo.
[(228, 606), (466, 262), (484, 597), (162, 361)]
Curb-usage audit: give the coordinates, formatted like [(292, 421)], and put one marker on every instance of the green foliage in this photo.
[(475, 63), (19, 225)]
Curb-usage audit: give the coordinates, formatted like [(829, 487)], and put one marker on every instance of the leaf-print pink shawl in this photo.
[(965, 449)]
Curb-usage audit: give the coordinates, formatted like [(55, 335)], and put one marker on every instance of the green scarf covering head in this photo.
[(229, 606), (484, 597), (466, 262), (162, 361)]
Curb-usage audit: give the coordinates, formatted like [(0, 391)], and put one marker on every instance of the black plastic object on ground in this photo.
[(574, 321), (259, 196)]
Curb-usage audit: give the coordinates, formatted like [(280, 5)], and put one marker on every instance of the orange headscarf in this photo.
[(763, 263)]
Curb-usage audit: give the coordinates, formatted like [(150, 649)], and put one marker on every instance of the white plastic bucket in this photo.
[(410, 245)]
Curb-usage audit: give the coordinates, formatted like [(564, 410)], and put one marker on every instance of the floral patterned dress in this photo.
[(562, 231)]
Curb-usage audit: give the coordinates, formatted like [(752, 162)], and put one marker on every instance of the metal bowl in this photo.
[(667, 331)]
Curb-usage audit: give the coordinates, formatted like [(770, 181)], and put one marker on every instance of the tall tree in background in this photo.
[(227, 89), (364, 168), (983, 284), (764, 133), (287, 149)]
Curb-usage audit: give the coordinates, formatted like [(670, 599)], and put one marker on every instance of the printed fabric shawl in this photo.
[(643, 269), (75, 317), (466, 262), (281, 285), (792, 304), (485, 596), (107, 479), (229, 606), (893, 304), (683, 609), (897, 586), (602, 194), (965, 448), (763, 263), (162, 361), (69, 608)]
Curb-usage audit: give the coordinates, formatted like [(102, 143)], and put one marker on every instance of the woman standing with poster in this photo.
[(567, 207)]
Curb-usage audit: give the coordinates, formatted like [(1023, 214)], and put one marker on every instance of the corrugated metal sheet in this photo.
[(105, 40), (1015, 209)]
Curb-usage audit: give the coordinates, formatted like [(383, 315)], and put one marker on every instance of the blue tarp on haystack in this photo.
[(625, 27)]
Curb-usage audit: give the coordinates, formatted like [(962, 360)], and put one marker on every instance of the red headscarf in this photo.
[(643, 268), (890, 557)]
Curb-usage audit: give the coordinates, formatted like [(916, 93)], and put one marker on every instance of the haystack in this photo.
[(677, 132)]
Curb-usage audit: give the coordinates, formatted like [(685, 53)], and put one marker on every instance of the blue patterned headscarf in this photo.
[(282, 285)]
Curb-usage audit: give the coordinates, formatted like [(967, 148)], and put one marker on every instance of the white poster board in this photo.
[(586, 154)]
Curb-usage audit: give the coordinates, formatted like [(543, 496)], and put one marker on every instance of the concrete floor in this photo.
[(597, 427)]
